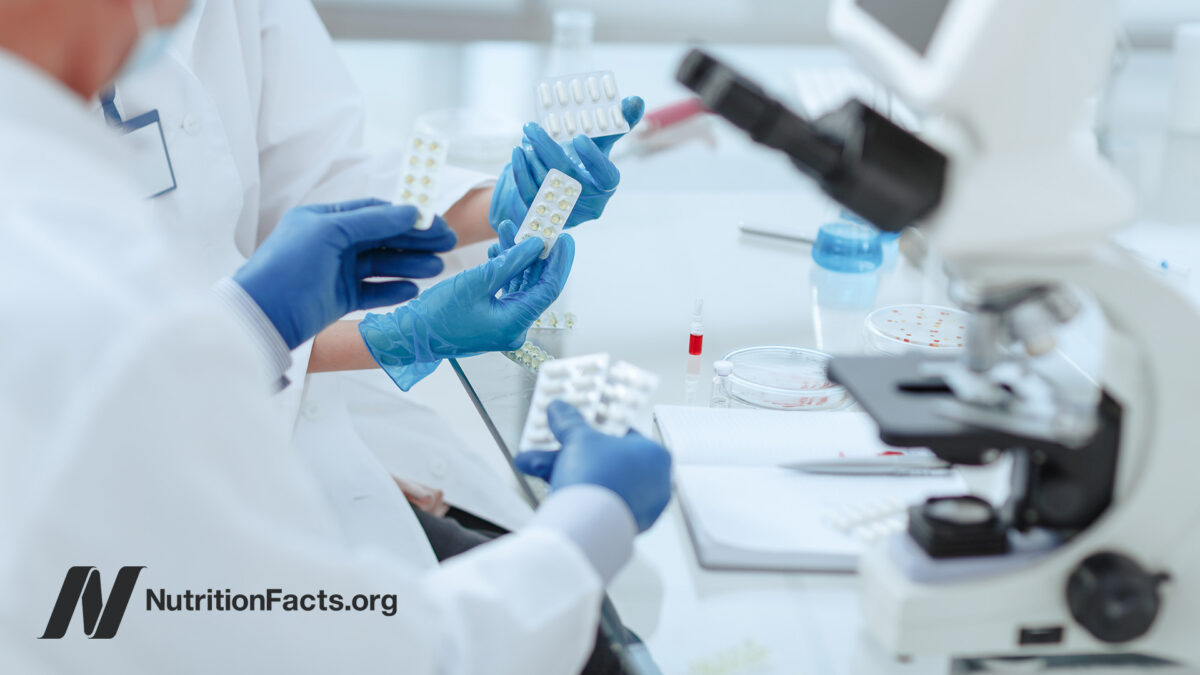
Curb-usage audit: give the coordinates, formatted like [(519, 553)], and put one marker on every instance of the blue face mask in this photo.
[(152, 38)]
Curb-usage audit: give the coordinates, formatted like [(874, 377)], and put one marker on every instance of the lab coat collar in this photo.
[(181, 46), (35, 99), (49, 96), (37, 105), (183, 42)]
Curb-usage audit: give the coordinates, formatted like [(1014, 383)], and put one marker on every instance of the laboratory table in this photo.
[(636, 277), (670, 237)]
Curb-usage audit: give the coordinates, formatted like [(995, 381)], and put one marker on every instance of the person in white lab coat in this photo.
[(259, 115), (136, 431)]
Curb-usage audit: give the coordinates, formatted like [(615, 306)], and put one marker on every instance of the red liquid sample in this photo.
[(695, 344)]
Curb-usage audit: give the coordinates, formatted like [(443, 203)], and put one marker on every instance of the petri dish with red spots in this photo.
[(783, 378), (925, 329)]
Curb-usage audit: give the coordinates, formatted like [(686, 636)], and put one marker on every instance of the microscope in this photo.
[(1087, 560)]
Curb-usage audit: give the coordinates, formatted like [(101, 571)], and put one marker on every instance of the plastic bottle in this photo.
[(845, 280)]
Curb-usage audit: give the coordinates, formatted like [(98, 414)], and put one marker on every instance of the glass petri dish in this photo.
[(783, 378), (925, 329)]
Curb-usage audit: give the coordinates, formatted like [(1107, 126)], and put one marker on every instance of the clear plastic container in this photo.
[(783, 378), (908, 329), (841, 302)]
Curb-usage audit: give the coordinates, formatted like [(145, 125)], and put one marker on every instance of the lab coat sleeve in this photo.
[(311, 124), (597, 520), (166, 457), (264, 334)]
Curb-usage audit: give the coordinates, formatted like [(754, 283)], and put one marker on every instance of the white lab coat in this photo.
[(260, 115), (136, 428)]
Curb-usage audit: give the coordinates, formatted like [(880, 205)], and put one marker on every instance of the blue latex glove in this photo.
[(634, 467), (462, 316), (310, 272), (507, 235), (584, 159)]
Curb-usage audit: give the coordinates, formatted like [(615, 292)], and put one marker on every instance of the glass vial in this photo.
[(721, 396), (696, 330)]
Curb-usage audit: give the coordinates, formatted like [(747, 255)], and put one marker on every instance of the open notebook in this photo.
[(743, 512)]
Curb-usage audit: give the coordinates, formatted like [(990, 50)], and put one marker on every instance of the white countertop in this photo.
[(670, 236)]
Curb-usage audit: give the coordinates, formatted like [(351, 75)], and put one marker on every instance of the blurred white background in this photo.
[(616, 20), (414, 57), (740, 21)]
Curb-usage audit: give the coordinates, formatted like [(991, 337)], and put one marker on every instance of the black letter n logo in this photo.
[(82, 586)]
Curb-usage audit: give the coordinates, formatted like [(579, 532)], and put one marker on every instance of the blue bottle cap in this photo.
[(848, 247)]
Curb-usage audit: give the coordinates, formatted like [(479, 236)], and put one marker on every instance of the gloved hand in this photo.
[(310, 272), (462, 316), (506, 239), (584, 159), (634, 467)]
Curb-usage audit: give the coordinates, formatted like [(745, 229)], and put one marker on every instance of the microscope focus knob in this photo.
[(1113, 597)]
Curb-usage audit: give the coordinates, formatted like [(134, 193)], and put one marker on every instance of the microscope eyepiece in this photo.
[(750, 108), (875, 168)]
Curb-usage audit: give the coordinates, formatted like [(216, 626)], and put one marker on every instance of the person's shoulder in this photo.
[(54, 172), (75, 246)]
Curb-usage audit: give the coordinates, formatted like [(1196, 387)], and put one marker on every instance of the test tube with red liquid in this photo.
[(696, 332)]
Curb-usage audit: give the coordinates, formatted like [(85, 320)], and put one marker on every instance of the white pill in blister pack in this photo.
[(423, 162), (552, 320), (610, 397), (530, 355), (588, 103), (627, 391), (550, 209), (871, 521)]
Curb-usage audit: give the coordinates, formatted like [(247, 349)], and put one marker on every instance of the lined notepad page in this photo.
[(743, 512), (764, 437)]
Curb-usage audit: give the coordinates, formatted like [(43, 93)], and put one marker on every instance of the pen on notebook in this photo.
[(873, 466)]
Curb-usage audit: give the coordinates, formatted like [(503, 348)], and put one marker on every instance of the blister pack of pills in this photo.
[(530, 355), (550, 209), (552, 320), (868, 522), (422, 166), (610, 396), (588, 103)]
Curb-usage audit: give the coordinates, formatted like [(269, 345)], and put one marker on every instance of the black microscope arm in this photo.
[(875, 168)]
